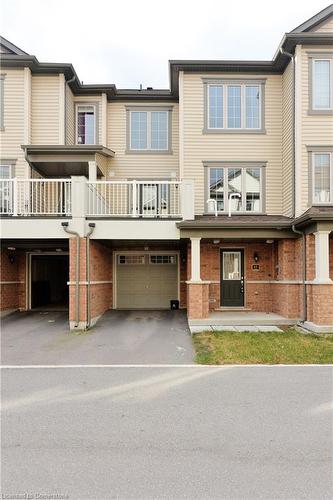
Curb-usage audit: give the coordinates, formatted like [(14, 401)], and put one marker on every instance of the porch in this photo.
[(246, 320)]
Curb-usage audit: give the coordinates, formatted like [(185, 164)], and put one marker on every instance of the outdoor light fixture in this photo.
[(269, 241), (255, 257), (11, 257), (216, 242)]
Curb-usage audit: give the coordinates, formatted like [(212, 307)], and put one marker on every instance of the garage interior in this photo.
[(49, 276)]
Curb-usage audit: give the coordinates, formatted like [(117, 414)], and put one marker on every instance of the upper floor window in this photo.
[(234, 106), (85, 124), (238, 186), (321, 83), (149, 130), (322, 178)]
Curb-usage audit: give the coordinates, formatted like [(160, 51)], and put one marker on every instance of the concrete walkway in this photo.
[(120, 337)]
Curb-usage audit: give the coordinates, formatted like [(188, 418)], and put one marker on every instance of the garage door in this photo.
[(146, 281)]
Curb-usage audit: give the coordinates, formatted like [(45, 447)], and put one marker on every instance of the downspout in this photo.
[(305, 306), (292, 58), (65, 115), (77, 277), (88, 309)]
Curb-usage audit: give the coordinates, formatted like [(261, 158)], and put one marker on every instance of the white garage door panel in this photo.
[(146, 286)]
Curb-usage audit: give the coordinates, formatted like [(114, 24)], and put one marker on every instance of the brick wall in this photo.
[(100, 270), (279, 261), (13, 293)]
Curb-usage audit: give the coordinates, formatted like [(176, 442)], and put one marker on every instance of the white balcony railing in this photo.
[(134, 199), (35, 197), (78, 198)]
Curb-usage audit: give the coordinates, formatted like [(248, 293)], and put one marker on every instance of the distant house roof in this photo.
[(7, 47)]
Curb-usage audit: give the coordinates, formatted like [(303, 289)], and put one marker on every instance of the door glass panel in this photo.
[(149, 199), (231, 265)]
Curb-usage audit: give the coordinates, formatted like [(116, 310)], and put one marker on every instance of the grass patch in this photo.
[(218, 348)]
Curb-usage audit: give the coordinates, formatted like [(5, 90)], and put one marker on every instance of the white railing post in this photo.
[(187, 199), (15, 197), (134, 198)]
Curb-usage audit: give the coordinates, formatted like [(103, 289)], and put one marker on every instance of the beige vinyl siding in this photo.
[(70, 117), (89, 99), (45, 109), (287, 140), (199, 147), (103, 164), (326, 27), (12, 137), (139, 165), (315, 129)]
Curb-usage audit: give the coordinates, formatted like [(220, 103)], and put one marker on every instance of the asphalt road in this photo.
[(171, 433)]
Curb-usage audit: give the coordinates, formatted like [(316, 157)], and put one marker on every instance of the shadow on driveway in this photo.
[(120, 337)]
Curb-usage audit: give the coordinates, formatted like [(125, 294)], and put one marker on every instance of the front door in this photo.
[(232, 278)]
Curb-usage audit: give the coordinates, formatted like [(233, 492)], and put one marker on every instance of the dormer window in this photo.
[(85, 124)]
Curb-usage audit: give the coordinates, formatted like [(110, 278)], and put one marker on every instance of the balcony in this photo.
[(35, 197), (145, 199), (77, 197)]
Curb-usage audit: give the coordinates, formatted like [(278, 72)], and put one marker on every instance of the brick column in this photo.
[(320, 283), (100, 282), (197, 290), (12, 280)]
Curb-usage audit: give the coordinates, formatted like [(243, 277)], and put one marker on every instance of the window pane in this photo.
[(322, 178), (86, 125), (231, 266), (138, 130), (252, 188), (5, 172), (321, 84), (216, 186), (215, 107), (159, 130), (235, 186), (252, 96), (234, 107)]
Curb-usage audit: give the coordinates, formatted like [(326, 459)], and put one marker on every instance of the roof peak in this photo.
[(315, 20)]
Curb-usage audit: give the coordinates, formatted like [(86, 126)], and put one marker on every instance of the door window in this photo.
[(231, 265)]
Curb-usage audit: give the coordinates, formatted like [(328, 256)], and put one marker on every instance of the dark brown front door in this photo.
[(232, 278)]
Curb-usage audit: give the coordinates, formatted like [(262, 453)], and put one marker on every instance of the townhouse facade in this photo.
[(215, 195)]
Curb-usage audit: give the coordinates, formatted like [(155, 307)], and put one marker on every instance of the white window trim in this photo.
[(77, 109), (225, 87), (330, 61), (149, 113), (324, 203), (243, 189)]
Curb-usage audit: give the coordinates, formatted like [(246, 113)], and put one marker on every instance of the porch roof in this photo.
[(236, 221), (237, 226), (61, 161)]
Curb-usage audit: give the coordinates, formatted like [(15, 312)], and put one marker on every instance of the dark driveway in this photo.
[(120, 337)]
